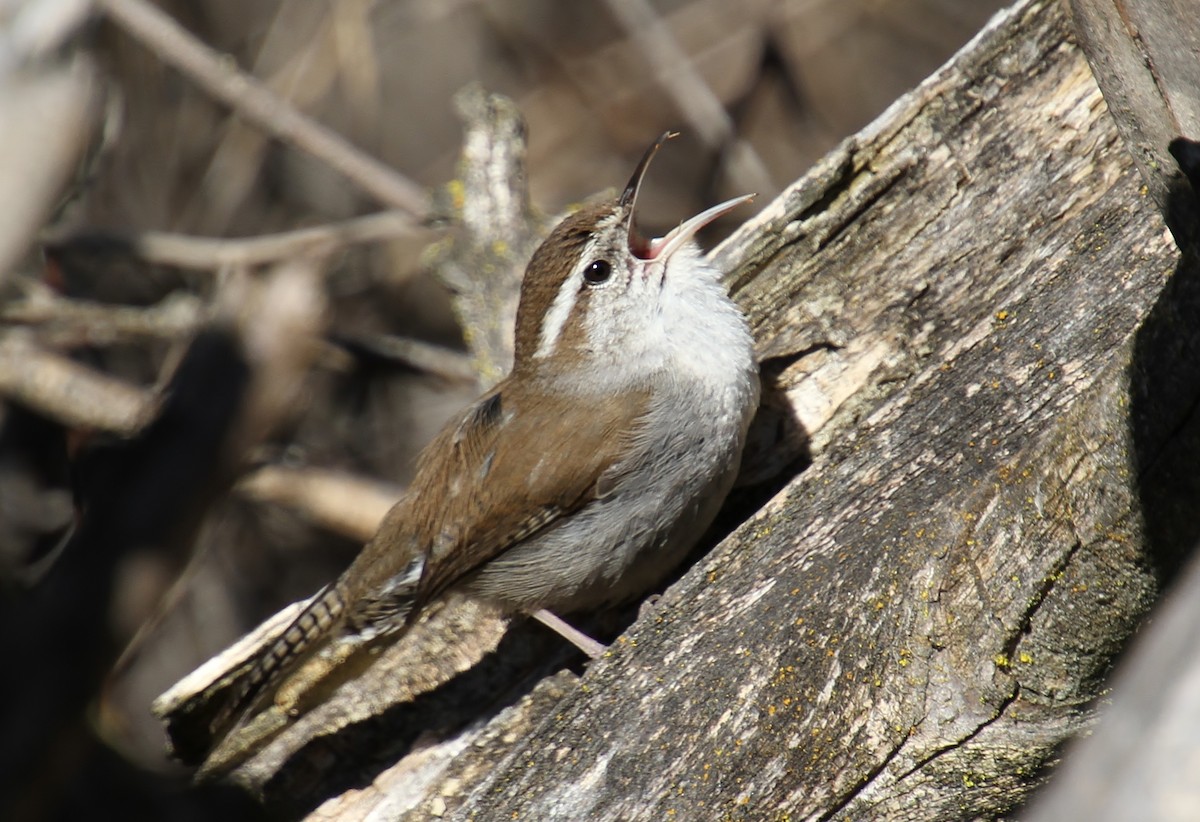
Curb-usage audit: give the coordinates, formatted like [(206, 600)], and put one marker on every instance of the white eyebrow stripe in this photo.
[(556, 317), (560, 310)]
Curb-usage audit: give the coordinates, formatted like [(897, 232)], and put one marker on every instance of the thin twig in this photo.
[(246, 95), (215, 253), (422, 356), (343, 503), (691, 94), (72, 322), (99, 323)]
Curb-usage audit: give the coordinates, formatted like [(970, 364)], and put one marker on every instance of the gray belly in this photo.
[(617, 547)]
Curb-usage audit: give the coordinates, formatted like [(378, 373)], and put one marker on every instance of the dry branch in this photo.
[(497, 230), (213, 253), (249, 98), (47, 109), (67, 391)]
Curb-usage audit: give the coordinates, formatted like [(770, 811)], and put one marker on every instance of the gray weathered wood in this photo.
[(1141, 763), (1145, 55)]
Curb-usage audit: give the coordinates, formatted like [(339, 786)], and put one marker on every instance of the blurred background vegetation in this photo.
[(759, 88)]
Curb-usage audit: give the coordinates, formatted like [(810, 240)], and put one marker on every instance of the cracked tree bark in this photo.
[(975, 314)]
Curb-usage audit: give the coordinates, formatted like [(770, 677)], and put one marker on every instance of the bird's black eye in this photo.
[(598, 272)]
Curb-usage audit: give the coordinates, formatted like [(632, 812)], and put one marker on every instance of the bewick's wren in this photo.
[(586, 475)]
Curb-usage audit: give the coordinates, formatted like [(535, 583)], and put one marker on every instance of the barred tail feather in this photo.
[(304, 635), (382, 610)]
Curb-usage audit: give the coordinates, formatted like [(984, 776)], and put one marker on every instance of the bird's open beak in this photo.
[(661, 248)]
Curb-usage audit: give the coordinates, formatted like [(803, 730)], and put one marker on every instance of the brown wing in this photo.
[(516, 462)]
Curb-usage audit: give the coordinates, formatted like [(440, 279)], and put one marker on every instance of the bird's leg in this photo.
[(573, 635)]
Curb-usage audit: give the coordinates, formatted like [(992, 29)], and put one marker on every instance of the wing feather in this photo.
[(517, 463)]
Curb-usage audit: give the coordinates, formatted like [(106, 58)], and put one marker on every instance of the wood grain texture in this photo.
[(1145, 55)]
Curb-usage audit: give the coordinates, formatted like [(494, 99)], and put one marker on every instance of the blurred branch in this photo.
[(68, 391), (678, 76), (214, 253), (279, 318), (33, 29), (421, 356), (175, 316), (484, 261), (219, 76), (349, 505), (47, 108), (79, 396), (74, 322)]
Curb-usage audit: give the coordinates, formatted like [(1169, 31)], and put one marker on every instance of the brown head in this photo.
[(595, 281)]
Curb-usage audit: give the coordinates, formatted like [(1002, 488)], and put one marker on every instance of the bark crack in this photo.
[(856, 789), (1049, 582), (875, 187), (958, 743)]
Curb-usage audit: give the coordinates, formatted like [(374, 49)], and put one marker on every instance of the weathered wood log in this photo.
[(1141, 762), (1145, 55), (975, 324)]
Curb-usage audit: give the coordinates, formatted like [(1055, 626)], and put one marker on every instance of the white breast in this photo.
[(696, 352)]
